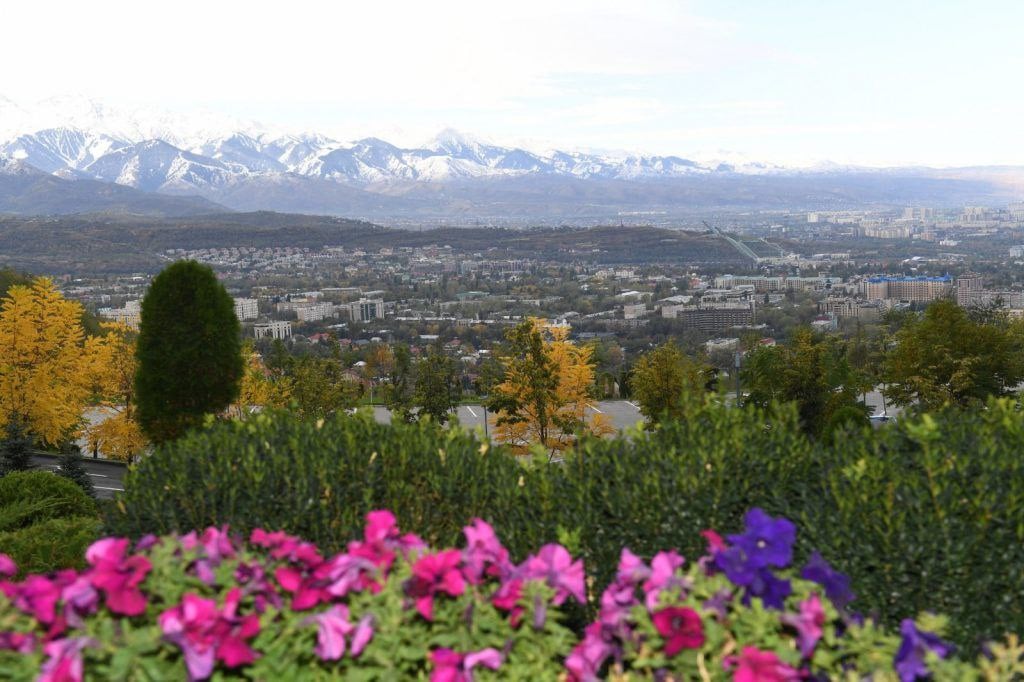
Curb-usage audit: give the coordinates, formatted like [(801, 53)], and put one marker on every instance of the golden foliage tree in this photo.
[(113, 383), (44, 361), (544, 396), (259, 388)]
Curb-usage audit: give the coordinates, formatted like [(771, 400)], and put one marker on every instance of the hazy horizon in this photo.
[(791, 83)]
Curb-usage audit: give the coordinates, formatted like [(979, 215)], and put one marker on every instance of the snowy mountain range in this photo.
[(76, 137), (245, 165)]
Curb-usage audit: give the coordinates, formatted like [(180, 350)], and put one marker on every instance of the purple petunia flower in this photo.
[(836, 584), (771, 590), (766, 541), (909, 661)]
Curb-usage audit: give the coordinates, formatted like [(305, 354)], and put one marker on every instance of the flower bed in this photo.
[(273, 607)]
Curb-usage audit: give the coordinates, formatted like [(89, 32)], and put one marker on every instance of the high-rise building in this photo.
[(247, 308), (366, 309), (966, 285)]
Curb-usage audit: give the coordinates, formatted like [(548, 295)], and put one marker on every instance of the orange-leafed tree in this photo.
[(44, 362), (113, 366), (544, 395)]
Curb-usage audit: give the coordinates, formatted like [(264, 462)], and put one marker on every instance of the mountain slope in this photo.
[(25, 190)]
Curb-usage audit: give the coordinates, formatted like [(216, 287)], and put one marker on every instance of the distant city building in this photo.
[(247, 308), (913, 289), (366, 309), (314, 312), (634, 311), (967, 285), (128, 316), (279, 330)]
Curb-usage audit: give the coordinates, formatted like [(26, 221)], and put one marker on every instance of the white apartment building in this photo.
[(247, 308), (280, 330), (315, 312)]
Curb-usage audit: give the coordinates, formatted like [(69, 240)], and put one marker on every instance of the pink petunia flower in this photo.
[(586, 659), (206, 634), (451, 666), (118, 577), (808, 624), (484, 553), (65, 662), (7, 566), (37, 596), (663, 576), (333, 629), (435, 574), (554, 565), (680, 627), (754, 665)]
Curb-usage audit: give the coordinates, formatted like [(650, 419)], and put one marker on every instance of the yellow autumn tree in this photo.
[(117, 433), (258, 389), (544, 396), (45, 363)]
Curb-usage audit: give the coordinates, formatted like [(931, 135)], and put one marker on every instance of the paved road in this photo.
[(107, 477), (621, 413)]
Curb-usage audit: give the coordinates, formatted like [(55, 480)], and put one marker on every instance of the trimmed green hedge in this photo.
[(926, 515), (46, 521), (51, 544), (28, 497), (319, 479)]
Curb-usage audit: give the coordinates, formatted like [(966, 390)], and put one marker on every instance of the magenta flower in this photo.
[(632, 568), (118, 577), (333, 627), (715, 541), (663, 576), (754, 665), (617, 601), (7, 566), (36, 595), (680, 627), (349, 572), (807, 624), (205, 634), (507, 598), (586, 659), (80, 599), (484, 554), (434, 574), (306, 593), (21, 642), (287, 547), (451, 666), (554, 565), (65, 660), (382, 532)]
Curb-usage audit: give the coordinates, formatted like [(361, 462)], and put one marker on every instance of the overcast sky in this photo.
[(939, 82)]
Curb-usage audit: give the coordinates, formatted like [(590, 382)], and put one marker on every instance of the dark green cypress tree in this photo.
[(189, 351), (15, 448), (71, 468)]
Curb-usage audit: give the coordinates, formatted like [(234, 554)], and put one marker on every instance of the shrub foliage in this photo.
[(925, 515)]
